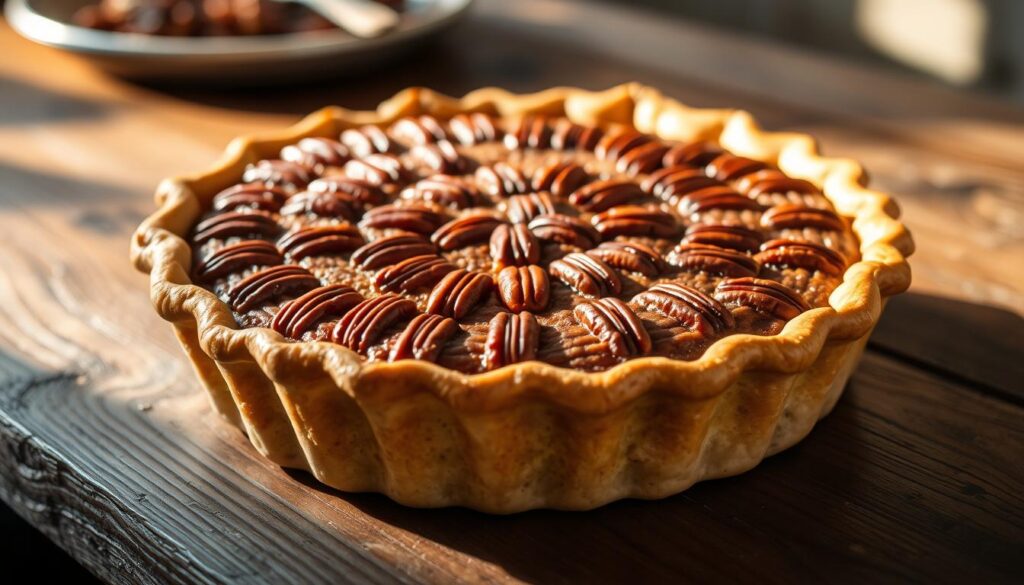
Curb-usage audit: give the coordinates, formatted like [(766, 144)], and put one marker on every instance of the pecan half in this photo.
[(364, 324), (688, 306), (631, 256), (391, 250), (378, 170), (237, 257), (459, 292), (524, 288), (443, 190), (568, 135), (440, 157), (587, 275), (729, 167), (715, 198), (764, 296), (278, 173), (605, 194), (321, 240), (807, 255), (564, 229), (523, 208), (250, 196), (736, 237), (529, 132), (323, 204), (316, 154), (774, 181), (418, 219), (260, 287), (501, 180), (473, 128), (413, 273), (613, 146), (299, 315), (560, 178), (511, 338), (673, 183), (514, 245), (235, 224), (366, 140), (424, 338), (418, 130), (713, 260), (795, 216), (642, 159), (614, 322), (473, 228), (361, 191), (693, 154), (634, 220)]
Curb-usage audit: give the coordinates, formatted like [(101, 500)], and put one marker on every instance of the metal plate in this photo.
[(262, 59)]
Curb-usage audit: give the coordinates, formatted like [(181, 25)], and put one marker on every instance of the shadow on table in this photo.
[(39, 105)]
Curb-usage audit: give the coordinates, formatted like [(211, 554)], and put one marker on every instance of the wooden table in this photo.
[(109, 447)]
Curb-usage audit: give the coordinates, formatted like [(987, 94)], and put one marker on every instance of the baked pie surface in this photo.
[(462, 272)]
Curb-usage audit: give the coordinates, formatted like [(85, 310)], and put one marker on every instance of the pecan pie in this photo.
[(508, 302)]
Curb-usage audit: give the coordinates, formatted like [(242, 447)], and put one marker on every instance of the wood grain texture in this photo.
[(110, 448)]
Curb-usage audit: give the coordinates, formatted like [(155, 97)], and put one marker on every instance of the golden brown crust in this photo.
[(532, 434)]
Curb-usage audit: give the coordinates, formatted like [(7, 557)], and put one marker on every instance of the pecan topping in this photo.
[(764, 296), (237, 257), (235, 224), (440, 157), (458, 293), (418, 130), (316, 154), (587, 275), (736, 237), (360, 191), (795, 216), (424, 338), (514, 245), (529, 132), (713, 260), (474, 128), (614, 322), (413, 273), (321, 240), (774, 181), (602, 195), (511, 338), (634, 220), (568, 135), (693, 154), (501, 180), (673, 183), (728, 167), (523, 208), (391, 250), (465, 231), (277, 173), (366, 141), (250, 196), (560, 178), (260, 287), (631, 256), (418, 219), (524, 288), (378, 170), (642, 159), (715, 198), (555, 227), (613, 146), (299, 315), (324, 204), (807, 255), (364, 324), (443, 190), (690, 307)]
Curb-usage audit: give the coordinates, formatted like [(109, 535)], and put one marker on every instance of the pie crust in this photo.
[(529, 435)]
